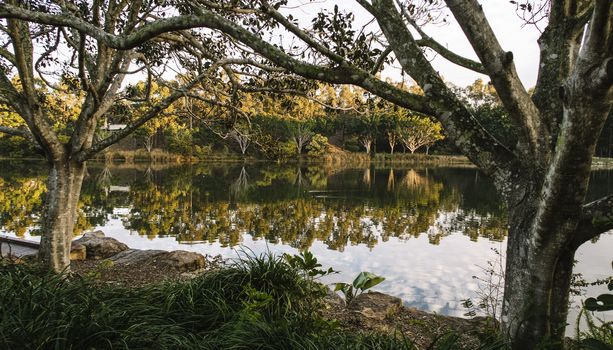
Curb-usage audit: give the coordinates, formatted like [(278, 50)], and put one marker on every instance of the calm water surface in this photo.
[(428, 231)]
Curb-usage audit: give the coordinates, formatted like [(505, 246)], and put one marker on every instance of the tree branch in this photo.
[(474, 141), (7, 55), (597, 218), (451, 56), (380, 60), (343, 74), (152, 112), (301, 34), (501, 69), (17, 132)]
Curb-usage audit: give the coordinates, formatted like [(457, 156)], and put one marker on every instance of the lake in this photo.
[(428, 231)]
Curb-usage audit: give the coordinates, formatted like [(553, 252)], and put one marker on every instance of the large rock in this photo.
[(182, 260), (179, 260), (100, 247), (93, 234), (375, 305)]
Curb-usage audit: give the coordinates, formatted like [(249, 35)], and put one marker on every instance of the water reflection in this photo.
[(424, 229), (292, 205)]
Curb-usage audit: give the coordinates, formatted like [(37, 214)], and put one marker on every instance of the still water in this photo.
[(429, 231)]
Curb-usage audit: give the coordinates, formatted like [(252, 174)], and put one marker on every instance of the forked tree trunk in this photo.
[(63, 191)]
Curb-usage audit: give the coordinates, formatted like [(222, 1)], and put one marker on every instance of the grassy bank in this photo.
[(257, 303)]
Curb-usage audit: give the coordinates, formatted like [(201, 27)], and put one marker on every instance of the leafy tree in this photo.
[(300, 132), (420, 131), (92, 72), (318, 145)]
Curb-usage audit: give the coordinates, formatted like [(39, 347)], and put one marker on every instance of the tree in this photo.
[(165, 120), (300, 132), (391, 125), (242, 139), (419, 131), (68, 61), (368, 125), (543, 178)]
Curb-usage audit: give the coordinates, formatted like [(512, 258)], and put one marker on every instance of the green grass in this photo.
[(256, 303)]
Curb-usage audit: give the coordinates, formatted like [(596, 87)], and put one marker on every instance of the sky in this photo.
[(521, 40)]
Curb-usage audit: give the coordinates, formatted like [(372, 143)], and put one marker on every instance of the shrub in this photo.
[(318, 145)]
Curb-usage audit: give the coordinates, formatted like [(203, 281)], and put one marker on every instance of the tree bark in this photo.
[(537, 285), (63, 191)]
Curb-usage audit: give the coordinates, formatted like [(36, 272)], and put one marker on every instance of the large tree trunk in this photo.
[(63, 191), (537, 279)]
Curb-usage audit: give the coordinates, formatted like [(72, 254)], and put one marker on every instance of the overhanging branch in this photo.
[(343, 74), (501, 69), (15, 132)]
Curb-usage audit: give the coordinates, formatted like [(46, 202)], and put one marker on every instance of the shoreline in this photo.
[(347, 160)]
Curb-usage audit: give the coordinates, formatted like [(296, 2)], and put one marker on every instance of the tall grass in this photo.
[(257, 303)]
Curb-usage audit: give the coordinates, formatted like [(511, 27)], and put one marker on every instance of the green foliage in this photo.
[(364, 281), (258, 302), (179, 141), (599, 333), (603, 302), (318, 145), (307, 263), (17, 147)]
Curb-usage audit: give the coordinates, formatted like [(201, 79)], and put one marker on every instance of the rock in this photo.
[(136, 256), (93, 234), (77, 251), (100, 247), (181, 260), (375, 305)]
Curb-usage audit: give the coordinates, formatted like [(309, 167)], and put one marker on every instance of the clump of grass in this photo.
[(261, 302)]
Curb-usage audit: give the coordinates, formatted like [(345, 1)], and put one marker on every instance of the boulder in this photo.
[(93, 234), (100, 247), (181, 260), (375, 305), (77, 251)]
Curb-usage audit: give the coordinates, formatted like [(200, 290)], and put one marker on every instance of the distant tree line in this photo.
[(284, 126)]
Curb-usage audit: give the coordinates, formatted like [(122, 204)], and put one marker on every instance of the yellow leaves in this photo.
[(10, 119)]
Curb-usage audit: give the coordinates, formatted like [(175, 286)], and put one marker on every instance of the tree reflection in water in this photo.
[(292, 205)]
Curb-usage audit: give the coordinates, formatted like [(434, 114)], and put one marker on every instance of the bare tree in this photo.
[(392, 138), (366, 141), (543, 178), (241, 139)]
